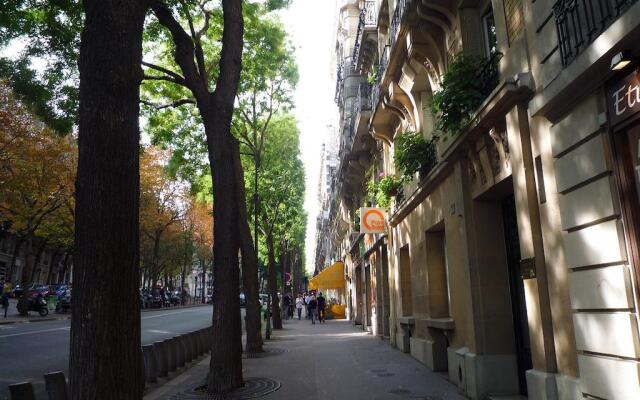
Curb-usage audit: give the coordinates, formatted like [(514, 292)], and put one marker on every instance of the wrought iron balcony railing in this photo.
[(382, 67), (339, 80), (368, 19), (489, 75), (580, 22), (396, 20), (363, 102)]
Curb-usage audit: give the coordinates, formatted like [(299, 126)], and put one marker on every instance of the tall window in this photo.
[(489, 30)]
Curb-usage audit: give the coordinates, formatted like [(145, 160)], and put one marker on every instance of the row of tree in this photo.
[(216, 90), (37, 202)]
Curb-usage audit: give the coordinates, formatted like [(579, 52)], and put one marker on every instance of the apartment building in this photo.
[(511, 258)]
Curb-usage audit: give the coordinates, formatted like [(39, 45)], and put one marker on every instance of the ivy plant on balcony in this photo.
[(356, 220), (384, 189), (464, 87), (413, 153)]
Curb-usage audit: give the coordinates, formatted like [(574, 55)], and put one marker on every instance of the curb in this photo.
[(62, 318), (42, 319)]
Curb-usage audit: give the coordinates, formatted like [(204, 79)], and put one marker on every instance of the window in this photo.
[(489, 32)]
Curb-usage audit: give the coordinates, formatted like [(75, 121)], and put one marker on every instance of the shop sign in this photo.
[(623, 98), (372, 220)]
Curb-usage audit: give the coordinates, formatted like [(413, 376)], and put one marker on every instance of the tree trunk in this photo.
[(36, 260), (106, 363), (273, 283), (249, 266), (14, 256), (52, 261), (65, 263)]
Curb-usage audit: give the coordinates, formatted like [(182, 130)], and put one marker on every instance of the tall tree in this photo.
[(106, 363), (281, 188), (267, 77), (216, 111)]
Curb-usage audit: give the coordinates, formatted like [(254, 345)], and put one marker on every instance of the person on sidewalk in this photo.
[(307, 299), (4, 299), (299, 304), (313, 306), (322, 304)]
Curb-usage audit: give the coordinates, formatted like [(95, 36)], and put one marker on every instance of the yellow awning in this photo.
[(330, 278)]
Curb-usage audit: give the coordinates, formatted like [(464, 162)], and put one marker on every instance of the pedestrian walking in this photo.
[(313, 305), (299, 304), (286, 303), (307, 299), (322, 304), (4, 298)]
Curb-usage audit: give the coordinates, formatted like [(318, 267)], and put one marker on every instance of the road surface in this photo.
[(29, 350)]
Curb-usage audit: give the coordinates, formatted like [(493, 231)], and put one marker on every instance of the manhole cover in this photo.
[(253, 388), (271, 351)]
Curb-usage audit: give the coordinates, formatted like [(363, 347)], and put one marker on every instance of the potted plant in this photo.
[(464, 88), (382, 191), (413, 153)]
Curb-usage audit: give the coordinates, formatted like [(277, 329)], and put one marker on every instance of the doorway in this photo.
[(517, 293), (359, 307), (367, 294)]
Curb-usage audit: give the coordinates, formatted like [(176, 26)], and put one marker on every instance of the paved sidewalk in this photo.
[(333, 361)]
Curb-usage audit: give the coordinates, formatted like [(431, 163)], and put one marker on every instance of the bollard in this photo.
[(187, 346), (192, 342), (56, 386), (171, 358), (161, 356), (150, 363), (22, 391), (180, 360), (199, 338)]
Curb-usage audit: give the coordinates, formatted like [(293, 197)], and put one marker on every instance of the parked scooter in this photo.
[(64, 302), (38, 304)]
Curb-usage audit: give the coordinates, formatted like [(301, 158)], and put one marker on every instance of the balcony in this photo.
[(363, 101), (580, 22), (396, 20), (377, 86), (339, 85), (367, 26)]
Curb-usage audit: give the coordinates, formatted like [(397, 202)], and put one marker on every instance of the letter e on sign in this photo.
[(372, 220)]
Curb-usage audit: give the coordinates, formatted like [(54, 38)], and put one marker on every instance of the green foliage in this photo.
[(462, 93), (47, 33), (384, 189), (413, 152)]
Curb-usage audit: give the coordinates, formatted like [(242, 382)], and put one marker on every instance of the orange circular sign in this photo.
[(373, 220)]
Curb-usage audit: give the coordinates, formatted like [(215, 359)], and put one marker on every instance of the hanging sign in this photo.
[(372, 220)]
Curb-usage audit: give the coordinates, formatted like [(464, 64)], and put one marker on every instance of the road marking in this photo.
[(171, 313), (157, 331), (34, 332)]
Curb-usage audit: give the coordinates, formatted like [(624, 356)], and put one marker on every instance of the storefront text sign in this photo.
[(623, 98), (372, 220)]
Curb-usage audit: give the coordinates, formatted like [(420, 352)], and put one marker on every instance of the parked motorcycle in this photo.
[(38, 304), (64, 302)]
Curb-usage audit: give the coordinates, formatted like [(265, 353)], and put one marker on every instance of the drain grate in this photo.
[(271, 351), (385, 374), (253, 388), (377, 371)]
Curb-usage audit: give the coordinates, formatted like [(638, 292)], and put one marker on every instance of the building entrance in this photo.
[(516, 289)]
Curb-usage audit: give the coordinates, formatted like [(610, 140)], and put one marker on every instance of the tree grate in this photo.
[(253, 388)]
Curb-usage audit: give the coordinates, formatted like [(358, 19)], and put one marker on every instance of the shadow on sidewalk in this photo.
[(331, 361)]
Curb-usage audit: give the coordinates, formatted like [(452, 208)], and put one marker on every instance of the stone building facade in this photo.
[(512, 262)]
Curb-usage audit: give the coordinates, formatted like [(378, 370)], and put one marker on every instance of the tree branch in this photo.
[(176, 103), (172, 74)]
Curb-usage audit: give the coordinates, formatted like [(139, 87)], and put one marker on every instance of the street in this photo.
[(29, 350)]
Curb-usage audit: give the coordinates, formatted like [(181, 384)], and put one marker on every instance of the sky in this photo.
[(311, 25)]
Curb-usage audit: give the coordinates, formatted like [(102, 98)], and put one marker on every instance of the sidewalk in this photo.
[(13, 317), (334, 361)]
